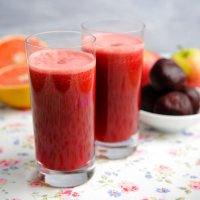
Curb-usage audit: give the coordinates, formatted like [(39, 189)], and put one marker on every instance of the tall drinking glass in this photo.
[(119, 55), (62, 79)]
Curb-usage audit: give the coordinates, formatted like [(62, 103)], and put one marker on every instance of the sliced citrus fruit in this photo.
[(14, 85), (12, 49)]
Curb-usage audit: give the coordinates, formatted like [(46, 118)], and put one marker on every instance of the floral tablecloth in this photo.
[(165, 166)]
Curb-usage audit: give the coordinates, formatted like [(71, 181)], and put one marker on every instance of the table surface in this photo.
[(165, 166)]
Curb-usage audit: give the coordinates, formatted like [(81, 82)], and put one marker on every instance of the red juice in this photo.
[(119, 67), (62, 91)]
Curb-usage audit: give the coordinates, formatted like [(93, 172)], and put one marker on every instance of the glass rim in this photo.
[(57, 31), (94, 22)]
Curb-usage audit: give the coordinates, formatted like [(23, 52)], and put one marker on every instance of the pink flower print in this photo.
[(1, 150), (173, 152), (30, 138), (8, 163), (15, 199), (75, 194), (129, 187), (140, 152), (162, 169), (4, 163), (35, 183), (3, 181), (177, 152), (69, 193), (15, 125), (144, 136), (194, 185), (66, 192)]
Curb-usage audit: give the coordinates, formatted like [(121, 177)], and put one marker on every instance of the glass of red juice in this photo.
[(62, 80), (119, 57)]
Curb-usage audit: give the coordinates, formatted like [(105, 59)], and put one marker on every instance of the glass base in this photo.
[(116, 150), (66, 178)]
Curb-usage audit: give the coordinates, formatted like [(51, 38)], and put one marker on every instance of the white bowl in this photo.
[(169, 123)]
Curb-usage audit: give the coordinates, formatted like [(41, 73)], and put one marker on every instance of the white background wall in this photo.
[(168, 22)]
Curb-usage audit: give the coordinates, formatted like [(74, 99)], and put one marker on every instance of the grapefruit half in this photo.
[(14, 85)]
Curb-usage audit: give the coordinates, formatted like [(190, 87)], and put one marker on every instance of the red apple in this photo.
[(149, 59)]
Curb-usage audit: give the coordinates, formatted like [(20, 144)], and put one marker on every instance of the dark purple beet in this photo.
[(194, 97), (149, 96), (174, 103), (167, 75)]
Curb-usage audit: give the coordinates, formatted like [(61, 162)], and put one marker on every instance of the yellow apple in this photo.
[(189, 61)]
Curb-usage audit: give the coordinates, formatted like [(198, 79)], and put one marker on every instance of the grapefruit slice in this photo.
[(14, 85), (12, 49)]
